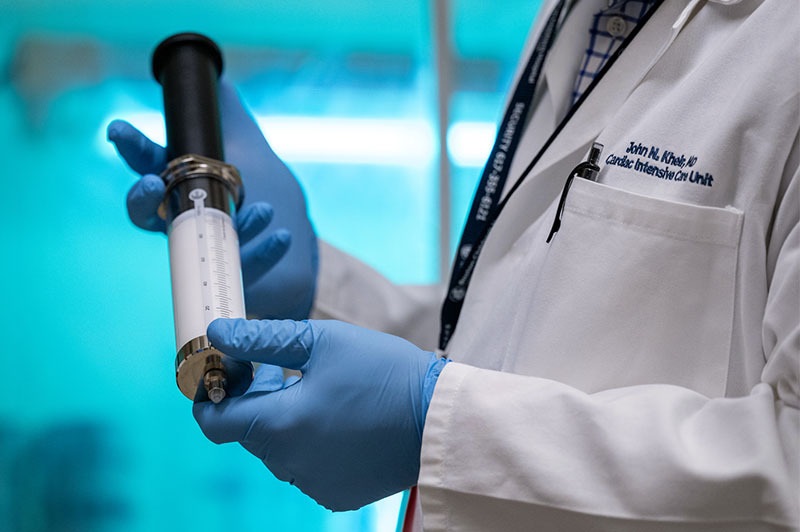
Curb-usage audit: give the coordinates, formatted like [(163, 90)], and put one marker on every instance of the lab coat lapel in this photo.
[(623, 77), (617, 84), (566, 57), (546, 180)]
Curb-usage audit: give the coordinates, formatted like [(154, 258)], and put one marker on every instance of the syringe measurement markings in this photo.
[(222, 280), (202, 228)]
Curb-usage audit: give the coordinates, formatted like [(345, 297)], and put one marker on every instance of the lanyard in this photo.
[(486, 206), (495, 173)]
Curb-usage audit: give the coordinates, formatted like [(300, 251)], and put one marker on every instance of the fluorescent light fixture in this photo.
[(382, 141), (469, 143), (335, 140)]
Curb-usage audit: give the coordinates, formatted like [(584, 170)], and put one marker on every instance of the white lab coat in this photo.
[(642, 371)]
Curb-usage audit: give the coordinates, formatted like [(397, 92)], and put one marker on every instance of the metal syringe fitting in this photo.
[(191, 167), (199, 361), (214, 379)]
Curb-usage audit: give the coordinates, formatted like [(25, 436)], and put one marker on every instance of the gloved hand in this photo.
[(349, 432), (279, 268)]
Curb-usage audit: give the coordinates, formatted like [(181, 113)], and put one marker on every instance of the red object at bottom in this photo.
[(411, 510)]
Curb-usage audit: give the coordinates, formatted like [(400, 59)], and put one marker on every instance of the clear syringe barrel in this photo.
[(201, 198), (204, 267)]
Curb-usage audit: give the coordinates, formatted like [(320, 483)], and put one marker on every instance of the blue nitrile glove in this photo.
[(279, 268), (349, 432)]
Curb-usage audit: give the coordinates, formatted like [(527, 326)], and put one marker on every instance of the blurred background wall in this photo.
[(94, 435)]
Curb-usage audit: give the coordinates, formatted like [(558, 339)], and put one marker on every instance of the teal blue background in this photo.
[(94, 435)]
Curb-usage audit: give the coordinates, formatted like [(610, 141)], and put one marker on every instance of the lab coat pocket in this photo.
[(635, 290)]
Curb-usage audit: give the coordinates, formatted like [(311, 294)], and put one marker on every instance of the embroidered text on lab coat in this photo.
[(662, 163)]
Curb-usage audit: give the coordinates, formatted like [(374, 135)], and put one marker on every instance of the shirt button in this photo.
[(616, 26)]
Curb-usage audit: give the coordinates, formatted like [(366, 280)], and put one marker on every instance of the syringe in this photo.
[(201, 196)]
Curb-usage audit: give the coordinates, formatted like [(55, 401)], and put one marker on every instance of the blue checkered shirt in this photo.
[(610, 27)]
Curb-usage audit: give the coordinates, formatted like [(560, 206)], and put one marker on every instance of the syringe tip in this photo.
[(216, 394), (214, 379)]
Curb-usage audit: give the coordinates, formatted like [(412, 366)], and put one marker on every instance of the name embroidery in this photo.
[(661, 163)]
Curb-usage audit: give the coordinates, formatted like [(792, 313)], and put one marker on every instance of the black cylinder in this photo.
[(188, 66)]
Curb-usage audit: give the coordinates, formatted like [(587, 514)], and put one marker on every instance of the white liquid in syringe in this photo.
[(205, 269)]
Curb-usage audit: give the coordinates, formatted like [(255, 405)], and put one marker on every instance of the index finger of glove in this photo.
[(284, 343), (140, 153)]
